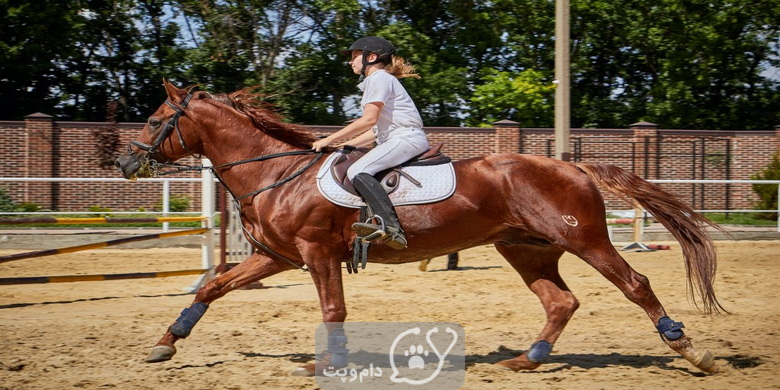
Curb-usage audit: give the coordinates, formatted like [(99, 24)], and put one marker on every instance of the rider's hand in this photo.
[(318, 145)]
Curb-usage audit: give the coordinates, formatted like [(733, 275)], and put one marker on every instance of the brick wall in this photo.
[(40, 146)]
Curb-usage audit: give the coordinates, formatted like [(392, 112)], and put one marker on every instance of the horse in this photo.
[(531, 208)]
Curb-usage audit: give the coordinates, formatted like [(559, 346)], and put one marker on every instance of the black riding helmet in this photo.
[(378, 45)]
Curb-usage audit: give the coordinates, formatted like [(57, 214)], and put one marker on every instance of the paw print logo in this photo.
[(416, 361)]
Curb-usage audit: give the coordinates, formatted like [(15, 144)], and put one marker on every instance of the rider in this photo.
[(391, 119)]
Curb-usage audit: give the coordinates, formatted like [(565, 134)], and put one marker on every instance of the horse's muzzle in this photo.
[(128, 164)]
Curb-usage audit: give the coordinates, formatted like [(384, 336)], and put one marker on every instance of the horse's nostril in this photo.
[(117, 164)]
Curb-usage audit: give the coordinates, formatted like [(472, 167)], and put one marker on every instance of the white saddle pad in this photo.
[(437, 182)]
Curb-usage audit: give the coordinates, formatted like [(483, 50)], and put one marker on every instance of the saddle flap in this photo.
[(389, 178), (424, 184)]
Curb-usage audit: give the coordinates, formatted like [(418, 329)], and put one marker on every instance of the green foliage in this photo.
[(768, 192), (746, 219), (104, 211), (527, 97), (176, 203), (6, 203), (28, 207), (179, 203)]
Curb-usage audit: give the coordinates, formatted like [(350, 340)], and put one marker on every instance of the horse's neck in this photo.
[(240, 146)]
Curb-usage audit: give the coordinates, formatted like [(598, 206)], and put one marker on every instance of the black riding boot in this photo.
[(376, 197)]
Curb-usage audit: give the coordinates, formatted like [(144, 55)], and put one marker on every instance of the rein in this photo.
[(269, 157), (237, 200)]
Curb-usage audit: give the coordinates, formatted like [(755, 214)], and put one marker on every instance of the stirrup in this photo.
[(395, 240), (371, 231), (389, 236)]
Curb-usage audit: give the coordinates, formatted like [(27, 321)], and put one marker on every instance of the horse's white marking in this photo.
[(570, 220)]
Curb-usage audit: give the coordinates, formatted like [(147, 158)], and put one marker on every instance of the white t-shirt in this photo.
[(398, 112)]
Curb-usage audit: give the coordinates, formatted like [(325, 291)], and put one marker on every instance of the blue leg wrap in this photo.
[(670, 329), (187, 319), (539, 352), (337, 347)]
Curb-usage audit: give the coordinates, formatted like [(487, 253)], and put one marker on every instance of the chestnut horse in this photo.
[(533, 209)]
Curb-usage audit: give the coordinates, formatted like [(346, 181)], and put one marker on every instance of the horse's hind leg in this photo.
[(252, 269), (538, 266), (601, 255)]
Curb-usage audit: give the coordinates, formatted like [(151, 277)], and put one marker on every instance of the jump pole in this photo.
[(100, 220), (118, 241), (92, 278)]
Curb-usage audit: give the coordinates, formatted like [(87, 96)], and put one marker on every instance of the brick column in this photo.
[(508, 137), (645, 138), (644, 129), (39, 159)]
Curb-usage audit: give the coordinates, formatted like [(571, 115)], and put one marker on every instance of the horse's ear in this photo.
[(174, 94)]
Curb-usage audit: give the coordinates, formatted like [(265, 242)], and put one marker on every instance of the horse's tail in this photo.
[(686, 225)]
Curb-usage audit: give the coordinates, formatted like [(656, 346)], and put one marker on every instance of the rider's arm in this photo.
[(357, 128), (364, 139)]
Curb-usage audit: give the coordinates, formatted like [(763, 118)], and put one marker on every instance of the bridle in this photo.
[(173, 123)]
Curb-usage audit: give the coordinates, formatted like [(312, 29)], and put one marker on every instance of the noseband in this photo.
[(173, 123)]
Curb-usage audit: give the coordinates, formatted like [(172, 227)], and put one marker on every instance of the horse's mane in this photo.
[(250, 104)]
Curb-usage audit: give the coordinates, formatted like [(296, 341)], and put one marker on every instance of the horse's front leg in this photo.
[(252, 269), (326, 275)]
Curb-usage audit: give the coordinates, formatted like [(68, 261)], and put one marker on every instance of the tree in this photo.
[(526, 97), (681, 64), (37, 45), (71, 58), (678, 63)]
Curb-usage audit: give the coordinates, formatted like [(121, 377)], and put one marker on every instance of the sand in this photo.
[(95, 335)]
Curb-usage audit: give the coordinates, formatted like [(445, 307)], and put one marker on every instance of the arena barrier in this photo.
[(637, 233), (207, 248), (102, 220), (97, 245), (92, 278)]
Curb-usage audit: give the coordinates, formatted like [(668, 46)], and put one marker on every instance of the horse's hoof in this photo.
[(503, 367), (161, 353), (705, 362), (517, 364), (305, 370)]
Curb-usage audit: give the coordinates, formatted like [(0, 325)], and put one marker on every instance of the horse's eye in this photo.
[(154, 122)]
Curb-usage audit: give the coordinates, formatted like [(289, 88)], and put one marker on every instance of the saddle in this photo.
[(389, 178)]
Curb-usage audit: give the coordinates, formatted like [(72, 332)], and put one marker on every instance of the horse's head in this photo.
[(157, 144)]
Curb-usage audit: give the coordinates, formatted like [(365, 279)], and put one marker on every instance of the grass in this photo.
[(748, 219), (744, 219)]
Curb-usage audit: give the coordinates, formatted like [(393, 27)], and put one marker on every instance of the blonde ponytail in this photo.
[(400, 68)]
